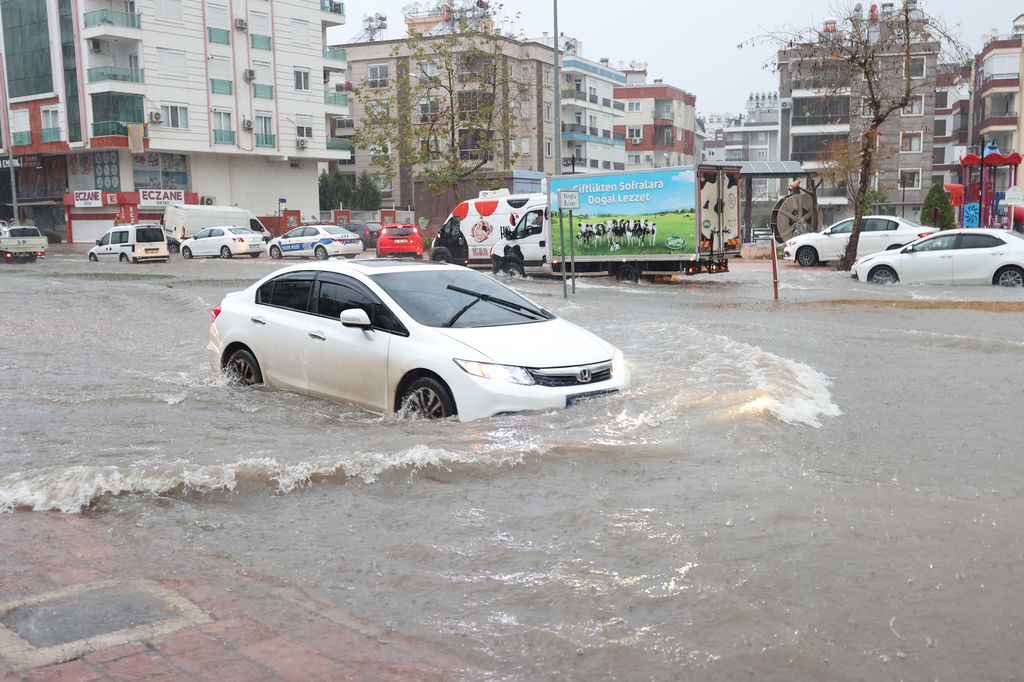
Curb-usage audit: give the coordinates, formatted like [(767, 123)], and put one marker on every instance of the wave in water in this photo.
[(71, 489)]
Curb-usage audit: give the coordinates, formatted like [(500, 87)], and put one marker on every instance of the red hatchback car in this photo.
[(402, 241)]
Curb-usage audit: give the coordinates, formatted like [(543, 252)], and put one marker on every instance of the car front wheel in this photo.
[(807, 256), (242, 368), (275, 252), (1010, 277), (428, 398), (883, 274), (320, 253), (93, 258), (186, 252)]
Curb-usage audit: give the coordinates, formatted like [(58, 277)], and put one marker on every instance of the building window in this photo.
[(634, 132), (940, 127), (303, 126), (378, 112), (915, 107), (910, 142), (378, 75), (910, 178), (547, 76), (915, 67), (547, 148), (300, 31), (259, 23), (633, 159), (170, 62), (264, 124), (634, 105), (524, 146), (220, 69), (547, 111), (941, 99), (525, 70), (174, 116), (168, 9), (428, 70), (384, 183), (50, 118), (428, 110), (761, 154), (302, 79), (669, 137), (524, 108)]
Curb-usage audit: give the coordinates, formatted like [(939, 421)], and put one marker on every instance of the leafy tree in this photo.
[(874, 60), (335, 190), (874, 197), (936, 209), (366, 195), (452, 110)]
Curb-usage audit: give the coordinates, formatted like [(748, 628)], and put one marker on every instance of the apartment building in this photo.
[(659, 123), (118, 108), (950, 128), (392, 68), (823, 108), (998, 93)]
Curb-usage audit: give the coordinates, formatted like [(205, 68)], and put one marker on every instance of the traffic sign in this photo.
[(568, 200)]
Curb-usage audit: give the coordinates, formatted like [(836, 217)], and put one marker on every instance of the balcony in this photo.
[(333, 12), (574, 161), (266, 140), (50, 135), (114, 129), (335, 53), (574, 128), (121, 74), (261, 42), (574, 94), (224, 136), (218, 35), (999, 119), (335, 99), (619, 106), (263, 91), (342, 143), (820, 120), (343, 123), (21, 138), (219, 86), (107, 17)]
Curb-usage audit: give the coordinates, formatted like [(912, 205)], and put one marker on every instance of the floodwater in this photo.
[(820, 488)]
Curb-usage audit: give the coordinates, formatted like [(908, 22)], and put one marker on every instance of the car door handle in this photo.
[(257, 320), (319, 336)]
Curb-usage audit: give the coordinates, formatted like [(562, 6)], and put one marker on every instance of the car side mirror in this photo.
[(97, 242), (355, 317)]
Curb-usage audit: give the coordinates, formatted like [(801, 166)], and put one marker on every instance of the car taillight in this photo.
[(337, 239), (215, 313), (924, 234)]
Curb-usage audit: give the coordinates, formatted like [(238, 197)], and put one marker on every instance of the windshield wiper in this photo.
[(516, 308)]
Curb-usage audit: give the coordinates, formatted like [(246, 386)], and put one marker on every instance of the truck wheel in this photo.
[(441, 255), (124, 257), (513, 268), (627, 273)]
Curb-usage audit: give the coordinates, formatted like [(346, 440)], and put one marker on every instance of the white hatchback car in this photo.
[(966, 256), (877, 233), (419, 338), (224, 241), (318, 241)]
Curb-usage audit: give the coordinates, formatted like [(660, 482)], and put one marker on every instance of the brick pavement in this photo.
[(219, 624)]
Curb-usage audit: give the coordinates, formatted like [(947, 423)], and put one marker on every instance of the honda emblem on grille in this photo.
[(583, 376)]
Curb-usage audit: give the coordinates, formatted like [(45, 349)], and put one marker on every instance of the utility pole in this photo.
[(9, 140), (558, 100)]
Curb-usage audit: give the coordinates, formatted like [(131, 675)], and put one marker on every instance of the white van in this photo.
[(182, 221), (475, 226), (135, 243)]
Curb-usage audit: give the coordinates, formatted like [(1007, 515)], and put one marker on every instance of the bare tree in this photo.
[(452, 111), (876, 60)]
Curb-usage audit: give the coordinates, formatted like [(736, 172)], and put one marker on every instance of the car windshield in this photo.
[(457, 298), (334, 229), (373, 227), (399, 230), (240, 230), (25, 232), (149, 234)]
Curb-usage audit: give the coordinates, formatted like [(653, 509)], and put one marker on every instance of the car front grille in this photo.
[(572, 376)]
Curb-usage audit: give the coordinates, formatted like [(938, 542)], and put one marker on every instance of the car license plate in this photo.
[(401, 241), (150, 250), (576, 398), (255, 246)]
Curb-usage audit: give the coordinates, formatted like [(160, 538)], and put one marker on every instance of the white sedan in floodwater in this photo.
[(316, 241), (965, 256), (226, 241), (418, 338)]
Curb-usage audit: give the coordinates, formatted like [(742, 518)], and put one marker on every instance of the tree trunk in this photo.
[(866, 162)]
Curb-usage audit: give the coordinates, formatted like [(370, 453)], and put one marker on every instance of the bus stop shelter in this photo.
[(781, 170)]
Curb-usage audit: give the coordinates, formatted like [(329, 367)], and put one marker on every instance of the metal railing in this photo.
[(263, 91), (335, 53), (102, 17), (50, 135), (342, 143), (21, 138), (335, 99), (332, 7), (221, 87), (115, 128), (266, 140), (123, 74), (574, 128), (218, 35), (224, 136), (261, 42)]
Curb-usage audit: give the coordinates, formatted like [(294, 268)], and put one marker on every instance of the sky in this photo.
[(692, 45)]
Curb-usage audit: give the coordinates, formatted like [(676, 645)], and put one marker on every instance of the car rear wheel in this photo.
[(1011, 276), (93, 258), (883, 274), (124, 257), (807, 256), (513, 268), (320, 253), (441, 255), (627, 273), (186, 252), (428, 398), (242, 368), (275, 252), (225, 252)]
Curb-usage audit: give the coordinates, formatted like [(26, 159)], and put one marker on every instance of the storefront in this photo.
[(90, 213)]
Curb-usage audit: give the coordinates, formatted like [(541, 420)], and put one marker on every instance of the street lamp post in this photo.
[(9, 139), (558, 99)]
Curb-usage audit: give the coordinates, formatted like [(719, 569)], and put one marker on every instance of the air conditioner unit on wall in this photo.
[(785, 104), (247, 123), (636, 140), (207, 201), (241, 24), (249, 75), (155, 117), (301, 143)]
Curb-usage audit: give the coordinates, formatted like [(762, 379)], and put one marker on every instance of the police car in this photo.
[(315, 241)]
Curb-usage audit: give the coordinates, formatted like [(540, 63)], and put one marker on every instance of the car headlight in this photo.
[(618, 362), (791, 242), (507, 373)]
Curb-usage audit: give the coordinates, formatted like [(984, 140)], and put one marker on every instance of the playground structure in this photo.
[(976, 201)]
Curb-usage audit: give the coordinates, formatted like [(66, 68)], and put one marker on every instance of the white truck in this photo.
[(653, 222), (21, 243)]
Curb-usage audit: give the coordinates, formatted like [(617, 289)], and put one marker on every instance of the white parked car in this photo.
[(966, 256), (418, 338), (877, 233), (226, 241), (318, 241), (135, 243)]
